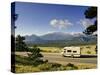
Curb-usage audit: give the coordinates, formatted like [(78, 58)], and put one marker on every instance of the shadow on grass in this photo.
[(26, 61)]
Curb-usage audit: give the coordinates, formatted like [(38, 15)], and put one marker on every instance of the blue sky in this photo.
[(40, 19)]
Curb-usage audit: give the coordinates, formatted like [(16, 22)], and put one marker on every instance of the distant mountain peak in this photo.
[(60, 36)]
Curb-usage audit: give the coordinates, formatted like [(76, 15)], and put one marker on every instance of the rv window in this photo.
[(68, 50), (74, 51), (64, 51)]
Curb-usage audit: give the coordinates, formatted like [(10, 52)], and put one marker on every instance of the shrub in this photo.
[(71, 66), (45, 67), (88, 52)]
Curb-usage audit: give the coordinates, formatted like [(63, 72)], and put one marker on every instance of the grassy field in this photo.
[(24, 65), (50, 49), (85, 49), (88, 49), (48, 67)]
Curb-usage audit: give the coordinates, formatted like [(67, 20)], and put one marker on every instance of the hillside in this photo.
[(60, 39)]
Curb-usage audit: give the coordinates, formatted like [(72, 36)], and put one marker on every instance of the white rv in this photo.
[(71, 51)]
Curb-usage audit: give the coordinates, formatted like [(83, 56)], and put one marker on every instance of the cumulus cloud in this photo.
[(85, 23), (59, 23)]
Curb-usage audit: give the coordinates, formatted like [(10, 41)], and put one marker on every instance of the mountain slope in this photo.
[(60, 38)]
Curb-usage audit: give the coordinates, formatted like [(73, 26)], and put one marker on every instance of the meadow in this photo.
[(24, 65), (85, 49)]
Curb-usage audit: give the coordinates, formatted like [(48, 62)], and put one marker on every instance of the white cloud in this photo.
[(73, 33), (85, 23), (59, 23), (95, 33)]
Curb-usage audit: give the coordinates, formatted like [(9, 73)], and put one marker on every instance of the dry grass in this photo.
[(25, 69), (47, 67), (86, 66), (88, 49), (85, 49), (50, 49)]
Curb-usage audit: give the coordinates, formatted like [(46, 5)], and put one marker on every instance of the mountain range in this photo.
[(60, 38)]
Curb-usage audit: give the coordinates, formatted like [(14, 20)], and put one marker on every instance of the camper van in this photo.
[(71, 51)]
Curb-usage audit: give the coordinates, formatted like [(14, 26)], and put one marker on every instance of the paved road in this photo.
[(57, 58)]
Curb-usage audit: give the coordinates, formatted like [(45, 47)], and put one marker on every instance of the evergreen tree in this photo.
[(35, 55), (91, 13), (20, 44)]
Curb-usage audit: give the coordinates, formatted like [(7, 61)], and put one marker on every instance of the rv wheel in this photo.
[(63, 55), (72, 56)]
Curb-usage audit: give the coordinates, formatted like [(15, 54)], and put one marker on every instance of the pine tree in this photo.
[(91, 13), (35, 55), (20, 44)]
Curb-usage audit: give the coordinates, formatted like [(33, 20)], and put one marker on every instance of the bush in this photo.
[(88, 52), (45, 67), (56, 65), (71, 66)]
